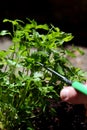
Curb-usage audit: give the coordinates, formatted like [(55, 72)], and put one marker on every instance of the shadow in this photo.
[(68, 16)]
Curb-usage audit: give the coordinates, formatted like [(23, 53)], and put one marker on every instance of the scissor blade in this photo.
[(56, 73)]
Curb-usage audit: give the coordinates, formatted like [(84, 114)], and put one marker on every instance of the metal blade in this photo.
[(56, 73)]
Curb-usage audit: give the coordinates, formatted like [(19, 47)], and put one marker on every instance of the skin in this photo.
[(70, 95)]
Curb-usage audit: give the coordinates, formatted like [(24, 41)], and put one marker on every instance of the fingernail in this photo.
[(64, 95)]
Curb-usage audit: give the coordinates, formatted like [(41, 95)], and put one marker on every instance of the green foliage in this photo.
[(25, 86)]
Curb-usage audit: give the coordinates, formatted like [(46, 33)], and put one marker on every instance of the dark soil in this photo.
[(69, 117)]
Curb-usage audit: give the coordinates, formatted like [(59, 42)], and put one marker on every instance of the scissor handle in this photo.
[(80, 87)]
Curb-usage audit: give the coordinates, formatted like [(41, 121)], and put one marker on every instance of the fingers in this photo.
[(69, 94)]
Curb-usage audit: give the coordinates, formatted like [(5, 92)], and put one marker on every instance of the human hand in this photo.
[(69, 94)]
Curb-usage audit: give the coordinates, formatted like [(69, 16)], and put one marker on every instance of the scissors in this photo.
[(75, 84)]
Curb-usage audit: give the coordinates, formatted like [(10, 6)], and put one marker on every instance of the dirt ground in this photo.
[(80, 60), (5, 42)]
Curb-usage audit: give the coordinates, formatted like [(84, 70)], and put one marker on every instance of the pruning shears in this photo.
[(75, 84)]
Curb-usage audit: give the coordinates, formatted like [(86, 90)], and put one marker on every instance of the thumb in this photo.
[(69, 94)]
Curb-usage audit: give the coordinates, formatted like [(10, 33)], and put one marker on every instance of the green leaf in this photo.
[(4, 32), (68, 38), (60, 69), (45, 27)]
